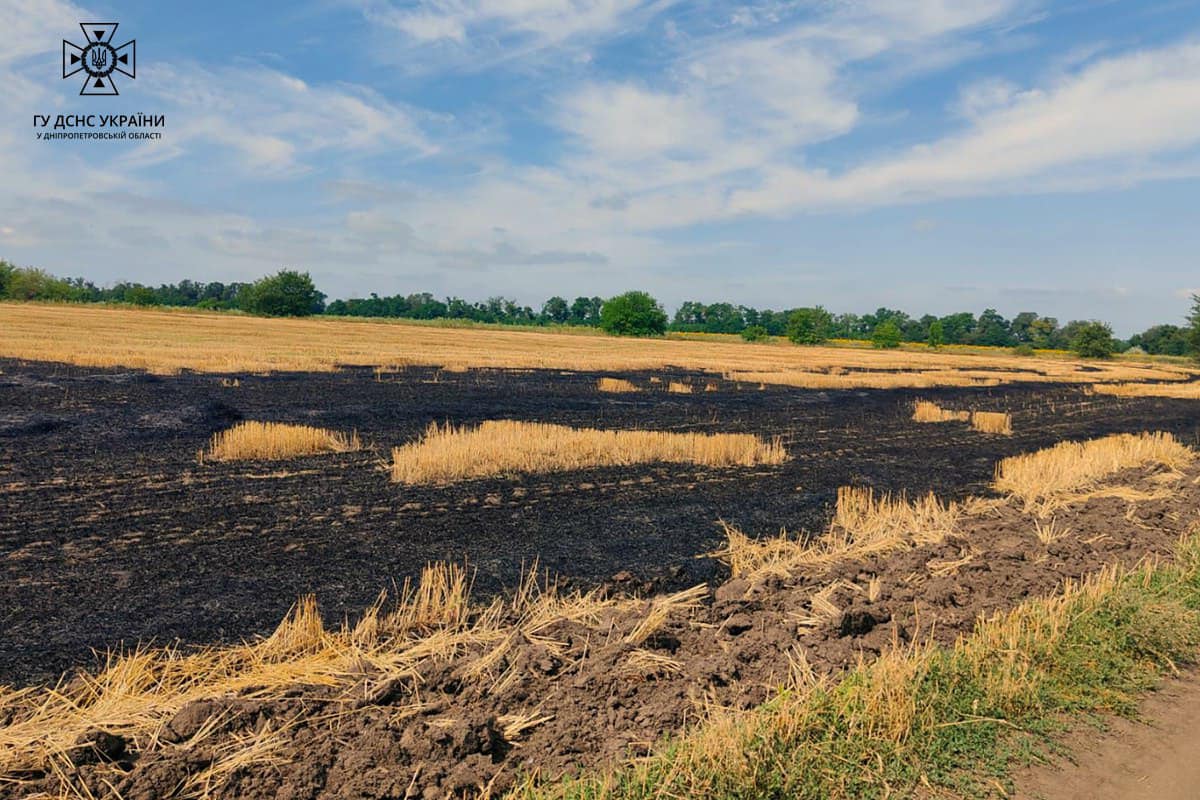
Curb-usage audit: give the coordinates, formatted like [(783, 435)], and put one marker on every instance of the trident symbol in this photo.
[(99, 58)]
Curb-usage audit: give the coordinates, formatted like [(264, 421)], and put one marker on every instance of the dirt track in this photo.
[(1156, 757), (110, 530)]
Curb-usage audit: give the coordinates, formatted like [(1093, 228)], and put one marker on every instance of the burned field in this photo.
[(113, 530)]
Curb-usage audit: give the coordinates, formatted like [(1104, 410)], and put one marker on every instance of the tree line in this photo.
[(291, 293)]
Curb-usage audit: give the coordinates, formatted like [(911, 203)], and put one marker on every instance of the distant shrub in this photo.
[(1023, 350), (34, 284), (285, 294), (1093, 340), (633, 314), (756, 333), (141, 296), (937, 334), (886, 334), (809, 325)]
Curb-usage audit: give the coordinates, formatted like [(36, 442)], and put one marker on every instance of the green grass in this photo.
[(937, 721)]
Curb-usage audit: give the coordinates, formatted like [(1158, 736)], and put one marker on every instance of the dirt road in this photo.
[(1157, 758)]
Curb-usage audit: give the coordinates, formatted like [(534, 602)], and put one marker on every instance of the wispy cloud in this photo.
[(1140, 107), (473, 34), (291, 119)]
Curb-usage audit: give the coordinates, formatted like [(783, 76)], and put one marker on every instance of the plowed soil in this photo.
[(111, 532)]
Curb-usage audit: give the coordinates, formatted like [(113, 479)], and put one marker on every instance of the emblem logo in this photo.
[(98, 59)]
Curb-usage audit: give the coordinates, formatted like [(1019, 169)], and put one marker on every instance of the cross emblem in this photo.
[(98, 59)]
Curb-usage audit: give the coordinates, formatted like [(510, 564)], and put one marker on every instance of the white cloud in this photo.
[(32, 27), (1136, 107), (273, 121), (539, 23), (626, 122), (905, 19), (984, 97)]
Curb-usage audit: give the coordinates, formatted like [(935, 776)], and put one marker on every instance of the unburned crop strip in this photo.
[(926, 720), (616, 385), (863, 523), (927, 411), (904, 379), (505, 447), (992, 422), (1182, 391), (276, 440), (983, 421), (1049, 478)]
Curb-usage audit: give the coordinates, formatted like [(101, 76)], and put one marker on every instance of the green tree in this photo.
[(809, 325), (556, 310), (958, 327), (723, 318), (848, 326), (1043, 331), (140, 295), (690, 316), (287, 293), (886, 334), (1022, 325), (992, 330), (1093, 340), (586, 311), (633, 314), (937, 334), (756, 333), (7, 270), (1194, 326), (1166, 340), (24, 283)]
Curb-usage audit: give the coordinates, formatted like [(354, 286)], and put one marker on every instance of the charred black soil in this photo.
[(111, 531)]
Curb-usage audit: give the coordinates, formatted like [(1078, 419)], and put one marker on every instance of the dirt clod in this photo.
[(98, 747)]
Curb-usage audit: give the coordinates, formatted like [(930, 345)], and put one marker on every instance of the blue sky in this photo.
[(933, 156)]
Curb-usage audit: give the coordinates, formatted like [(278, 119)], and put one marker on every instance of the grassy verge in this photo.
[(935, 721)]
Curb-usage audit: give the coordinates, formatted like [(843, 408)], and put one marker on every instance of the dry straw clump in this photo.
[(983, 421), (616, 385), (926, 411), (1182, 391), (272, 440), (863, 523), (1051, 477), (507, 447), (992, 422), (678, 387)]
